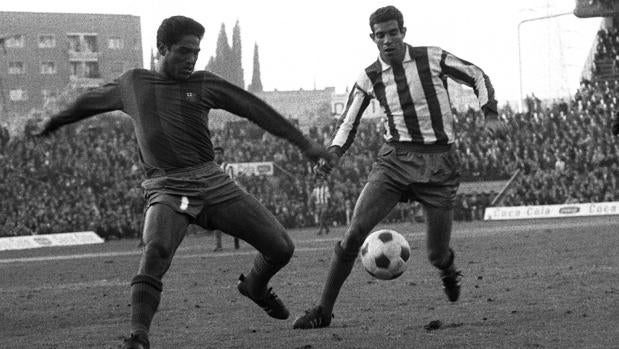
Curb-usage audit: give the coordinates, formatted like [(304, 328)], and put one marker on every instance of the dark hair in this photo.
[(172, 29), (385, 14)]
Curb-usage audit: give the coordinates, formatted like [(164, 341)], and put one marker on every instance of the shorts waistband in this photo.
[(185, 171), (421, 148)]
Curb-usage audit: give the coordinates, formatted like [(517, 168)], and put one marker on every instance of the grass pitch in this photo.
[(527, 284)]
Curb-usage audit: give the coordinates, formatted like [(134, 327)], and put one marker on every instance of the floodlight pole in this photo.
[(520, 51)]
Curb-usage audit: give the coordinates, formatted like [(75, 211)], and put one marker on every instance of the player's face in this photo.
[(179, 60), (218, 157), (389, 38)]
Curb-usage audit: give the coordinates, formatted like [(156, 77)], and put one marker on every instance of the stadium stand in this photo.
[(87, 176)]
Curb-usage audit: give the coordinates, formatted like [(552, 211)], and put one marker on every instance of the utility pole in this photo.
[(520, 50)]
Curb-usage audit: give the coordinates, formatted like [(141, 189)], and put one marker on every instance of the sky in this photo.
[(325, 43)]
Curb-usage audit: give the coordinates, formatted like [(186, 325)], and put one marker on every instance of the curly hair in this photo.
[(172, 29), (385, 14)]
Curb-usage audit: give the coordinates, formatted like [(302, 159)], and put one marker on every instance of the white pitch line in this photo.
[(458, 233), (137, 253)]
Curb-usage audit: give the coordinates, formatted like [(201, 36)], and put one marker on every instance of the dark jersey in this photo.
[(171, 117)]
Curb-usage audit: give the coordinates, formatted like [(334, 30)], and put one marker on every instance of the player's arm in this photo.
[(346, 130), (470, 75), (96, 101), (234, 99)]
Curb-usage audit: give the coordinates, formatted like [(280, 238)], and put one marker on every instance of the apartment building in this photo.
[(44, 53)]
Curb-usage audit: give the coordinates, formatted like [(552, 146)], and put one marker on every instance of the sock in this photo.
[(342, 263), (145, 296), (259, 276)]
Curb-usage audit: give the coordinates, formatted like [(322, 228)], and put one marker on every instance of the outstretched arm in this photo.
[(96, 101), (244, 104)]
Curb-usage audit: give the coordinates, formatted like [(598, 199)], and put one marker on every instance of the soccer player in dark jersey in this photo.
[(169, 109), (418, 160)]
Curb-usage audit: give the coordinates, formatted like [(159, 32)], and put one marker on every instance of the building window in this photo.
[(118, 68), (15, 41), (17, 68), (47, 41), (116, 43), (90, 43), (75, 43), (92, 70), (48, 96), (75, 69), (18, 95), (48, 68)]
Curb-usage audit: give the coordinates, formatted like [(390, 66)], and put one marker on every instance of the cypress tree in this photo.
[(236, 61), (220, 63), (256, 82)]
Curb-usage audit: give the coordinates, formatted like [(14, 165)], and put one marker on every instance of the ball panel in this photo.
[(405, 254), (385, 236), (382, 274), (364, 249), (382, 261)]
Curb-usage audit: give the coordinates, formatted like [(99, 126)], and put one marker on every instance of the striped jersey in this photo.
[(321, 194), (413, 96), (170, 117), (229, 170)]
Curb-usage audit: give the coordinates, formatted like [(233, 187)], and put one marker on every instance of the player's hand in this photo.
[(316, 152), (43, 128), (496, 128), (324, 166)]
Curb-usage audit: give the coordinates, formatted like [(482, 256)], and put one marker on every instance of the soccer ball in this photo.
[(384, 254)]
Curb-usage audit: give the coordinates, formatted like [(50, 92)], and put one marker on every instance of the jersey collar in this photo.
[(407, 58)]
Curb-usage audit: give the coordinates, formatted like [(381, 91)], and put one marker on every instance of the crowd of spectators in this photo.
[(87, 176)]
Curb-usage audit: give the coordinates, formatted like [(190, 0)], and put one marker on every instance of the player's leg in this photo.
[(317, 219), (218, 244), (374, 203), (439, 223), (248, 220), (164, 230), (323, 218)]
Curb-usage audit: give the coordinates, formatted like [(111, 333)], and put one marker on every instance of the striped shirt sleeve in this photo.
[(468, 74), (358, 100)]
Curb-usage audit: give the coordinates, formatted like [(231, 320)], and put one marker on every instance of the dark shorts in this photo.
[(192, 190), (426, 173)]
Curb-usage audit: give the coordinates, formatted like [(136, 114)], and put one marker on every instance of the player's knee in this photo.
[(285, 250), (155, 250)]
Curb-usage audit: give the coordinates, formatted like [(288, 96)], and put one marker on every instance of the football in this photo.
[(385, 254)]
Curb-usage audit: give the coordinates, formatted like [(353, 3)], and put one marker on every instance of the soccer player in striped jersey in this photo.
[(169, 108), (321, 195), (418, 160)]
